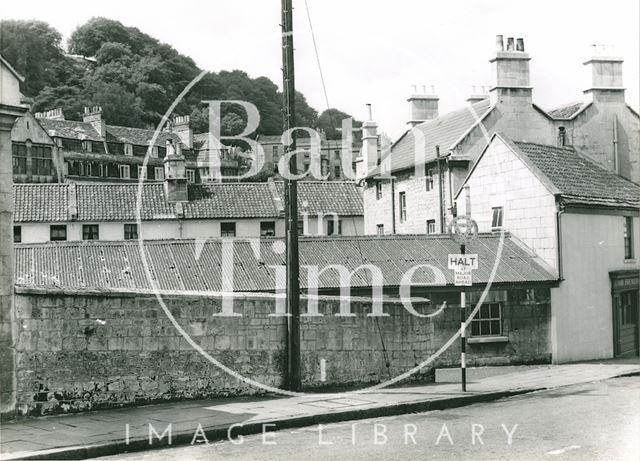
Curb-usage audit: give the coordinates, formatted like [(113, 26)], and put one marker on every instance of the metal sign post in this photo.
[(463, 229)]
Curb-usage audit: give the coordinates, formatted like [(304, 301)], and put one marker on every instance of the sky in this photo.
[(374, 51)]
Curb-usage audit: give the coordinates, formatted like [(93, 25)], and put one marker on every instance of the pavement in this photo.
[(109, 432)]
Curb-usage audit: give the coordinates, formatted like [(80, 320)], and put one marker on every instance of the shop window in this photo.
[(488, 320)]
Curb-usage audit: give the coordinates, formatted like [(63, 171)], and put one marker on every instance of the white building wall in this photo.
[(502, 179), (582, 310)]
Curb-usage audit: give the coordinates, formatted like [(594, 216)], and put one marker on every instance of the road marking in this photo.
[(563, 450)]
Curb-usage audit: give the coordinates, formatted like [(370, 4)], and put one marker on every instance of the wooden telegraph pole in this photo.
[(291, 204)]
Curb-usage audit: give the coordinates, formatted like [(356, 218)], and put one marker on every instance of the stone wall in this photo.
[(76, 352)]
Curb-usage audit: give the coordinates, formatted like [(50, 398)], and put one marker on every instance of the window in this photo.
[(90, 232), (41, 160), (629, 311), (429, 179), (158, 172), (130, 231), (628, 237), (154, 152), (325, 166), (403, 207), (337, 171), (431, 226), (101, 169), (274, 151), (17, 234), (300, 227), (191, 176), (380, 229), (336, 154), (331, 227), (228, 229), (142, 172), (128, 149), (378, 190), (57, 233), (267, 229), (19, 152), (86, 146), (488, 321), (562, 136), (496, 221), (125, 172)]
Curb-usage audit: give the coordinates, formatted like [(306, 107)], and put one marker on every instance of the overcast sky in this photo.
[(374, 51)]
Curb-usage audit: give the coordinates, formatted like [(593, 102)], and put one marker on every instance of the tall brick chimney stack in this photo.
[(606, 79), (369, 142), (93, 115), (422, 106), (182, 127), (510, 73)]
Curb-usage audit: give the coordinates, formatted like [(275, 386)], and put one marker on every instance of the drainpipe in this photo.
[(393, 207), (440, 191), (559, 212), (616, 162)]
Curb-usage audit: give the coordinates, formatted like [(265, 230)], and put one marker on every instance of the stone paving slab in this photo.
[(98, 433)]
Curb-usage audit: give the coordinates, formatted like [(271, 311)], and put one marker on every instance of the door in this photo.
[(626, 323)]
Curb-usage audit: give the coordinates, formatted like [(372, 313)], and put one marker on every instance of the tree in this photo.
[(330, 121)]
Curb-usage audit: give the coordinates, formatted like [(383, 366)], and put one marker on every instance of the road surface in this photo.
[(592, 421)]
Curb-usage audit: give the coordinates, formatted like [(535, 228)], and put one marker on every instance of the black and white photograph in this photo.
[(320, 230)]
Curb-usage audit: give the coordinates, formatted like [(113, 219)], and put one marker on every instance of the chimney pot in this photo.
[(519, 44), (510, 44), (369, 111), (499, 43)]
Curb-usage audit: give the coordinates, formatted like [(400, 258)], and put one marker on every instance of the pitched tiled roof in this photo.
[(567, 111), (174, 265), (340, 197), (81, 130), (117, 202), (230, 200), (70, 129), (443, 131), (577, 179), (40, 202)]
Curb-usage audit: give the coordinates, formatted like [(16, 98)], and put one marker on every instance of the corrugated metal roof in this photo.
[(175, 267)]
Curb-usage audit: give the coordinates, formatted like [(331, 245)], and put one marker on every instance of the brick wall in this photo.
[(76, 352)]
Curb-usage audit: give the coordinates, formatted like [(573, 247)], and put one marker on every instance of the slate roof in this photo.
[(175, 267), (340, 197), (81, 130), (567, 111), (576, 179), (444, 131), (117, 201)]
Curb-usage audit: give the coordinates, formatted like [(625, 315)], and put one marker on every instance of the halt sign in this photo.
[(462, 265), (462, 262)]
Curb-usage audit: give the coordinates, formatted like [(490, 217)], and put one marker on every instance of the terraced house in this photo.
[(76, 211), (410, 190), (48, 148)]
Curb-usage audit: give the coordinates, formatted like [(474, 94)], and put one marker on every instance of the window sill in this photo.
[(630, 261), (488, 339)]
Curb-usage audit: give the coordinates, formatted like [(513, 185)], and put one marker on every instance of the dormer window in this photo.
[(86, 146), (128, 149), (154, 151)]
